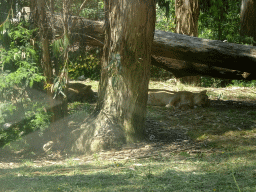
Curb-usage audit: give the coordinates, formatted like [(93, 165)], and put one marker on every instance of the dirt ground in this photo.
[(166, 131)]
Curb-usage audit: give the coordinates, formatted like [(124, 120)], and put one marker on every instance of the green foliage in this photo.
[(32, 121), (157, 73), (84, 63), (19, 58), (56, 47), (210, 82), (165, 5), (164, 22), (4, 5), (18, 72), (93, 9), (241, 83), (220, 20), (214, 82)]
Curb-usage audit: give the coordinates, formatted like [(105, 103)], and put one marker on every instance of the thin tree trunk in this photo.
[(121, 108), (43, 31), (58, 106)]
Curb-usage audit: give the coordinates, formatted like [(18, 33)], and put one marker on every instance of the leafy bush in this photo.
[(157, 73), (214, 82), (163, 22), (18, 72), (85, 63), (220, 21), (93, 10), (241, 83)]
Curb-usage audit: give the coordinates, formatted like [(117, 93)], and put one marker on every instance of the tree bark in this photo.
[(204, 51), (57, 106), (40, 17), (123, 89), (248, 18), (187, 14), (187, 69)]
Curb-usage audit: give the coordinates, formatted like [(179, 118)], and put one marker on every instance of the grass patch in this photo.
[(180, 172), (228, 128), (220, 156), (78, 107)]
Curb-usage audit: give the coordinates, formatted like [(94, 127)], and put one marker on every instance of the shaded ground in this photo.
[(201, 149), (167, 131), (163, 131)]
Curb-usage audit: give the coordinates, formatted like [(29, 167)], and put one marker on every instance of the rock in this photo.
[(80, 92)]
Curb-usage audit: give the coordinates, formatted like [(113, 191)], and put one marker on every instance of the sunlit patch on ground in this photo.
[(202, 149)]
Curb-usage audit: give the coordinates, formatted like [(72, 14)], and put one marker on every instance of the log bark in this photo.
[(187, 14), (204, 51), (182, 69), (211, 53)]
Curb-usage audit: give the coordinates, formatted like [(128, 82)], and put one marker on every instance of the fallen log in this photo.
[(204, 51), (213, 58), (182, 69)]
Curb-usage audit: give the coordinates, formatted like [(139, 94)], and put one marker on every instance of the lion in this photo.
[(180, 100), (159, 97)]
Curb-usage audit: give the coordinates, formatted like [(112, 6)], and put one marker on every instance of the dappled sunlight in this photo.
[(177, 171), (198, 148)]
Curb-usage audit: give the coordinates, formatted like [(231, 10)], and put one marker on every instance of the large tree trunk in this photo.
[(121, 108), (187, 14)]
